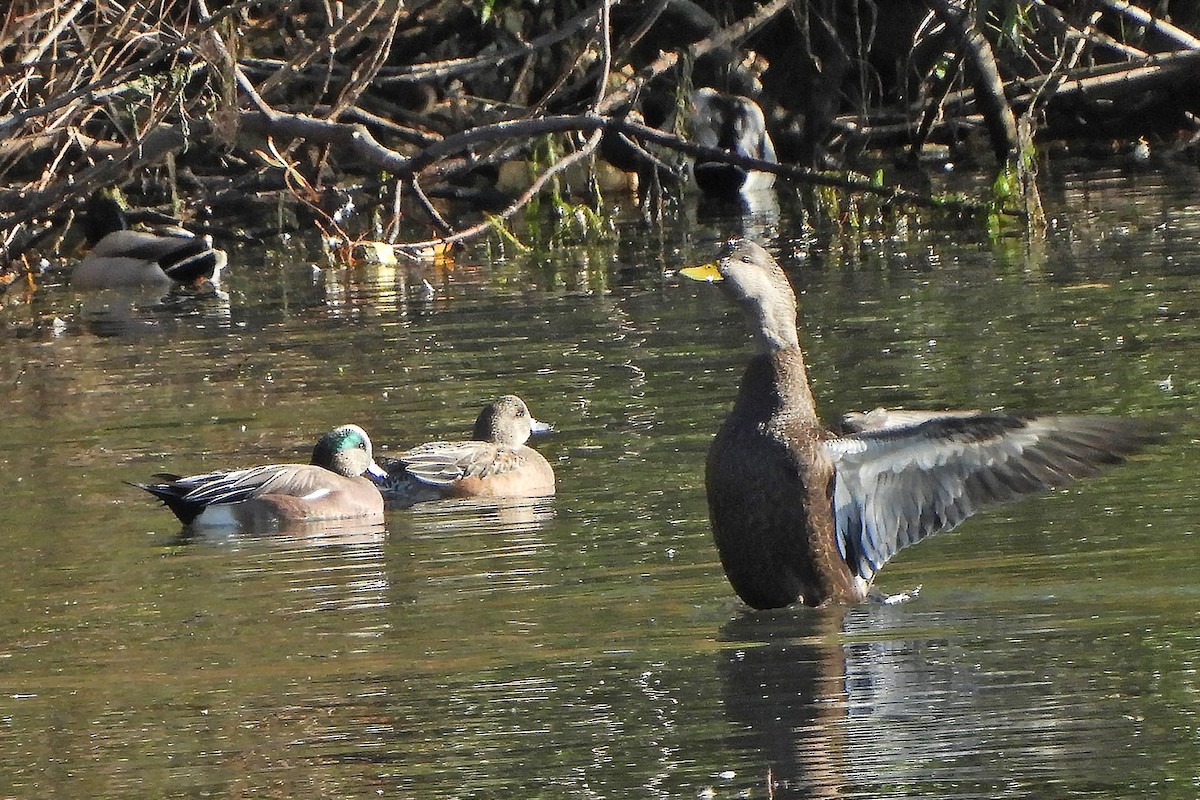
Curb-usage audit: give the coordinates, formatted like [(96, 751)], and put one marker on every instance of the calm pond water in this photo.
[(589, 646)]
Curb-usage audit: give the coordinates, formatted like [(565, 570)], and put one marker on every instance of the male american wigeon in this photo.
[(331, 486), (495, 463), (801, 514), (734, 123), (122, 259)]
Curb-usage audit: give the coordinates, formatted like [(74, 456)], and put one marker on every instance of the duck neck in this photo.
[(780, 375), (103, 216), (774, 329)]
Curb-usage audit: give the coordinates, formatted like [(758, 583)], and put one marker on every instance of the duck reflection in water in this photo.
[(496, 462), (803, 515), (830, 700)]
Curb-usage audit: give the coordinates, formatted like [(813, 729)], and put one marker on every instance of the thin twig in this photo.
[(475, 230), (1067, 60), (230, 63), (440, 70), (666, 61), (605, 52), (428, 207)]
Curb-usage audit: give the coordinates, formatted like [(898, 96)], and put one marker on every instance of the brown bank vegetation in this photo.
[(283, 110)]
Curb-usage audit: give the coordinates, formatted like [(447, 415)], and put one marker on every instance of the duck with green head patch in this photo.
[(332, 486), (803, 515)]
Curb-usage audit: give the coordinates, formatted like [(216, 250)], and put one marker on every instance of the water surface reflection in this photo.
[(588, 645), (883, 701)]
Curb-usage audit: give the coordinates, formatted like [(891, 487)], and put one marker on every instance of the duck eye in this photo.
[(746, 259)]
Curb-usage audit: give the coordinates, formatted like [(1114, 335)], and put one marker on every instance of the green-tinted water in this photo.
[(589, 646)]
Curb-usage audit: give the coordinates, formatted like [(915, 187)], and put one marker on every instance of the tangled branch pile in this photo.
[(417, 104)]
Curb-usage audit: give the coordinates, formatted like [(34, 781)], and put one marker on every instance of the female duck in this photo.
[(123, 259), (495, 463), (331, 486), (800, 514)]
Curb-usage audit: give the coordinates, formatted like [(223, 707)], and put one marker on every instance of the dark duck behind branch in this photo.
[(803, 515), (736, 124)]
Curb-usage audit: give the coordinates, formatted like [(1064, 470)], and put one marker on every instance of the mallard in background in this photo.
[(331, 486), (801, 514), (734, 123), (121, 258), (495, 463)]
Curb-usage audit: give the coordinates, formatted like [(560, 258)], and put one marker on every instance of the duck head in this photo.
[(751, 277)]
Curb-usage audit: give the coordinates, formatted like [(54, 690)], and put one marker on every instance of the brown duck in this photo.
[(803, 515), (495, 463)]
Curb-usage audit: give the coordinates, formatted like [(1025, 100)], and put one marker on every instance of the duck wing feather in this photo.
[(235, 486), (895, 485), (444, 463)]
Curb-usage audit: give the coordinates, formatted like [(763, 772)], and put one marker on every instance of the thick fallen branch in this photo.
[(360, 141), (1167, 71), (1090, 35), (989, 88)]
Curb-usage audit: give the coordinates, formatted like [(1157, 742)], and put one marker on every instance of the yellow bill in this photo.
[(704, 272)]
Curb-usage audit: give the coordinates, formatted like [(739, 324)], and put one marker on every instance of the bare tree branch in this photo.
[(1143, 17)]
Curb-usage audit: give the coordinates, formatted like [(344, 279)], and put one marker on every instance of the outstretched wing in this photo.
[(896, 484)]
